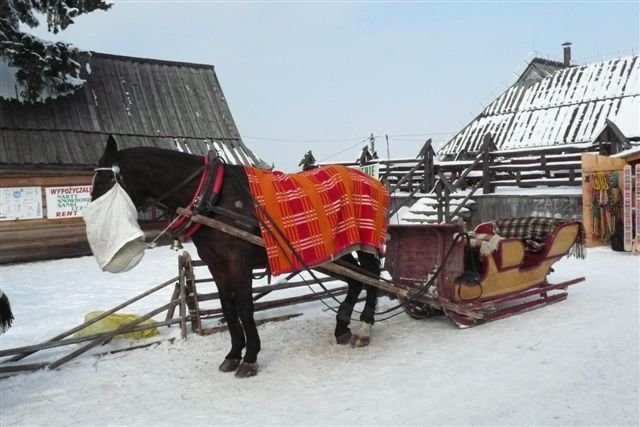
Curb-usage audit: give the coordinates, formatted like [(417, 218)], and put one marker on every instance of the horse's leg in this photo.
[(372, 265), (244, 303), (229, 312), (232, 359), (343, 317)]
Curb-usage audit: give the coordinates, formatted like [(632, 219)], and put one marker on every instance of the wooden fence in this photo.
[(487, 169)]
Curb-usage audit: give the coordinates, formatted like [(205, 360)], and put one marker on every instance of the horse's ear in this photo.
[(112, 147)]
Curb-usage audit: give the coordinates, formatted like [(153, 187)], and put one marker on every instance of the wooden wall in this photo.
[(39, 239)]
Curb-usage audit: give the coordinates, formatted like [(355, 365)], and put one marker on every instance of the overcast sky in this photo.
[(322, 76)]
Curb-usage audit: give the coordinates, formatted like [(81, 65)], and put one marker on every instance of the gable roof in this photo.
[(566, 107), (143, 102)]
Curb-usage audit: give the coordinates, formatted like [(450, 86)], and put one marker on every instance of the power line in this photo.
[(346, 149), (359, 139), (301, 140)]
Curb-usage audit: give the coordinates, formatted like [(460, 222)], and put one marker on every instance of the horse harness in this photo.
[(204, 199)]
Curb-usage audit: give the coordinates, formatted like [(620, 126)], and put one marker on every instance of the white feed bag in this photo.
[(116, 239)]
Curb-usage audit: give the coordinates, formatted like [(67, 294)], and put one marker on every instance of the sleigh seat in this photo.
[(516, 254)]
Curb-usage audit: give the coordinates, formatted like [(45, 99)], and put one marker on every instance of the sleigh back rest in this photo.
[(563, 235), (558, 243)]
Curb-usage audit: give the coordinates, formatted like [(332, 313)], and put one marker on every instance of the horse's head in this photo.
[(111, 218), (107, 173), (123, 167)]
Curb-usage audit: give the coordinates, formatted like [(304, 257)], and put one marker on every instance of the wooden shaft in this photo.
[(334, 268)]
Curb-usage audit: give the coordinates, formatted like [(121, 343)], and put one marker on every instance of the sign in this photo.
[(20, 203), (67, 202), (371, 170)]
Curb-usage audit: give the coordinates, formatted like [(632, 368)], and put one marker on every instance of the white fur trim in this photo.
[(487, 248)]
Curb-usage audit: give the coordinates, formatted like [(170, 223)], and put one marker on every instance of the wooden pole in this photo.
[(487, 146), (60, 343), (216, 329), (183, 301), (22, 368), (108, 336), (100, 317), (175, 295)]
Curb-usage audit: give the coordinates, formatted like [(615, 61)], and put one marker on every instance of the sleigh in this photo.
[(477, 277)]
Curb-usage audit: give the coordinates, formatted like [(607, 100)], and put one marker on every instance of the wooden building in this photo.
[(48, 150), (555, 105), (539, 127)]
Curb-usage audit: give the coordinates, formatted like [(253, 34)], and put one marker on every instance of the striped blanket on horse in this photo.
[(323, 213), (534, 230)]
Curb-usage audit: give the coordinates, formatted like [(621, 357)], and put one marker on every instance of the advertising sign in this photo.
[(67, 202), (20, 203)]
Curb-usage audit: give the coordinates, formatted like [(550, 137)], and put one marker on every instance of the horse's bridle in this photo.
[(117, 178)]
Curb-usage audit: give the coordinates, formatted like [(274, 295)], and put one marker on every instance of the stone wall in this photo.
[(493, 206)]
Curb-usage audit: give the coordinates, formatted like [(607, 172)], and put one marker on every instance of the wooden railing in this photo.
[(487, 169)]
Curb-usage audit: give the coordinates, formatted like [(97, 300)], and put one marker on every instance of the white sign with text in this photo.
[(20, 203), (67, 202)]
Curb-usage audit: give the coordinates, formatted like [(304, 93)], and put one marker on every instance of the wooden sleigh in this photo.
[(427, 267), (434, 260)]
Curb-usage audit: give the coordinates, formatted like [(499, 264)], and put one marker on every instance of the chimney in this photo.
[(566, 47)]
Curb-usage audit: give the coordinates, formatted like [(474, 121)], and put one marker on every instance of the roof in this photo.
[(566, 107), (143, 102), (539, 68)]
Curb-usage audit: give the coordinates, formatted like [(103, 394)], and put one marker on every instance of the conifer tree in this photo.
[(41, 64)]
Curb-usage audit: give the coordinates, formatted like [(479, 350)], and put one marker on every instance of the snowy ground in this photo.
[(572, 363)]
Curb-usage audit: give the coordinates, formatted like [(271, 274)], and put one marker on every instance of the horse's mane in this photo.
[(161, 152), (164, 154)]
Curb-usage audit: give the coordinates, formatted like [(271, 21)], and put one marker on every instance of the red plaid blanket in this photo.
[(323, 213), (534, 231)]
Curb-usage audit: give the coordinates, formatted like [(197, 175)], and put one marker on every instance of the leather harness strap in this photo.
[(205, 197)]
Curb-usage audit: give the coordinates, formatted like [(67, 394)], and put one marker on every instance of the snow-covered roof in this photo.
[(566, 107), (143, 102)]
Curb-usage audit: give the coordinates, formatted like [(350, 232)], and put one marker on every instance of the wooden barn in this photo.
[(48, 150)]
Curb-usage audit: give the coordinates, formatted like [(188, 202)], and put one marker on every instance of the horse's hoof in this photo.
[(360, 341), (344, 338), (229, 365), (246, 370)]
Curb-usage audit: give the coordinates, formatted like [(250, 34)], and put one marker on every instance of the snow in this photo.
[(572, 363), (10, 88)]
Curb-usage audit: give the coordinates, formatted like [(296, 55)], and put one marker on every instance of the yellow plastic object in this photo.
[(114, 321)]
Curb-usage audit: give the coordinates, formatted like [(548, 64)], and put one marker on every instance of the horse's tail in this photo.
[(6, 316)]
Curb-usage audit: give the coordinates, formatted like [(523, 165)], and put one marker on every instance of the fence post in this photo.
[(439, 199), (487, 176), (428, 154)]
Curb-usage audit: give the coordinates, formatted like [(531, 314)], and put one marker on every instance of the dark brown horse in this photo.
[(170, 178)]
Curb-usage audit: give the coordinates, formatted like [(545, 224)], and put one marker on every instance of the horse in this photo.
[(168, 178), (6, 316)]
